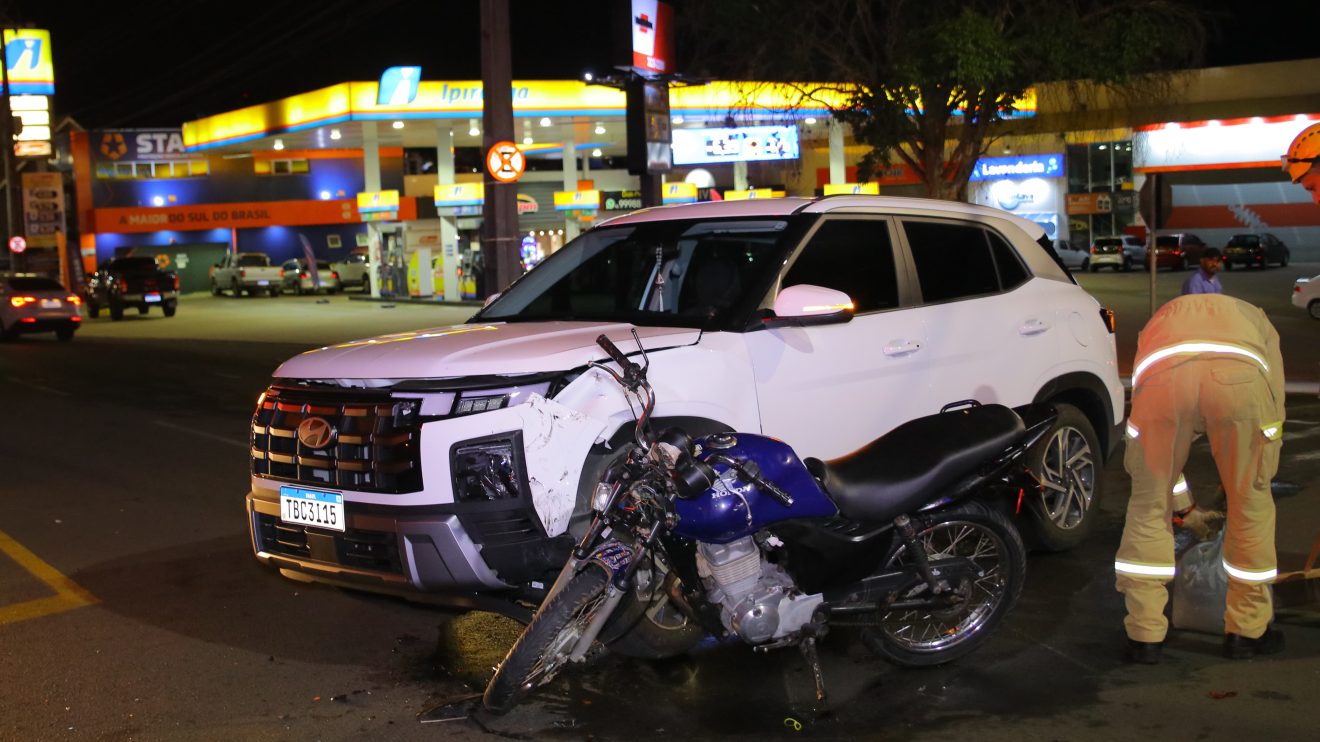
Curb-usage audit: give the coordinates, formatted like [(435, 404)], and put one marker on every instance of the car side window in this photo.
[(953, 260), (854, 256), (1011, 272)]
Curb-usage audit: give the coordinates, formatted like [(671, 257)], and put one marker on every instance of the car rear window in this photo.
[(1108, 242), (34, 284), (1170, 241), (253, 261), (133, 264), (1244, 240)]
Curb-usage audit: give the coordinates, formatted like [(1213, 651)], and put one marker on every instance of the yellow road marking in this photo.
[(68, 594)]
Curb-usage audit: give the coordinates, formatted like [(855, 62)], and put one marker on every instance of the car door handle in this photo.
[(901, 347), (1033, 327)]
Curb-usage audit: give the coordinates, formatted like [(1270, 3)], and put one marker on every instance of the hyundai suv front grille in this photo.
[(368, 443)]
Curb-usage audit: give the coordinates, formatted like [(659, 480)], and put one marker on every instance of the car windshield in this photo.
[(253, 261), (1244, 240), (133, 264), (34, 284), (683, 273)]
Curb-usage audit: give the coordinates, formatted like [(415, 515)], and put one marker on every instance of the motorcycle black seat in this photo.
[(908, 466)]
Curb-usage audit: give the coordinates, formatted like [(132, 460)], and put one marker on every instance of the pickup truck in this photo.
[(131, 282), (353, 272), (246, 271)]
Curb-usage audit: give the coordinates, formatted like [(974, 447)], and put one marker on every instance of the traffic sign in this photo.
[(17, 244), (505, 162)]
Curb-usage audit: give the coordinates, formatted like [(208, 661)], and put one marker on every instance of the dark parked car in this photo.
[(131, 282), (1177, 251), (1255, 249)]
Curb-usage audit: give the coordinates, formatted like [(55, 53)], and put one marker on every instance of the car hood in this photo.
[(476, 350)]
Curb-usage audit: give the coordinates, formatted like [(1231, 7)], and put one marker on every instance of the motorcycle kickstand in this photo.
[(808, 649)]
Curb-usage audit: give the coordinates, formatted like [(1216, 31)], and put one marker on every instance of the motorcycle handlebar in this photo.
[(630, 369)]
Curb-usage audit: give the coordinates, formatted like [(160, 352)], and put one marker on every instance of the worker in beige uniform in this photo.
[(1205, 363)]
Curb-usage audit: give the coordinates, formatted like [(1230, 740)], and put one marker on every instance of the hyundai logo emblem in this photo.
[(315, 432)]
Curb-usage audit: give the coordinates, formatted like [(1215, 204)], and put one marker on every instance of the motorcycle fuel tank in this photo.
[(733, 508)]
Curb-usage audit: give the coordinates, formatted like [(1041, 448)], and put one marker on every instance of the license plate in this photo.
[(312, 508), (152, 297), (263, 283), (50, 303)]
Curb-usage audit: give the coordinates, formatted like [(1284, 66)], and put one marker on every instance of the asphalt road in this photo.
[(131, 607)]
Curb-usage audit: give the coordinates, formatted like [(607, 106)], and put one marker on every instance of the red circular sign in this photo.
[(505, 162), (17, 244)]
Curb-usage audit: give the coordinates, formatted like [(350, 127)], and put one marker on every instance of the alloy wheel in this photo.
[(1068, 474)]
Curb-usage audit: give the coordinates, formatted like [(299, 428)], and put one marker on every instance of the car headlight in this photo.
[(489, 469)]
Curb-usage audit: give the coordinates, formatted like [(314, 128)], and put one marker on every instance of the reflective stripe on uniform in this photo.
[(1132, 431), (1250, 575), (1273, 431), (1194, 347), (1143, 570)]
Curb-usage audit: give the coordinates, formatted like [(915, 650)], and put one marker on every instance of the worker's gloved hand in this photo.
[(1202, 523)]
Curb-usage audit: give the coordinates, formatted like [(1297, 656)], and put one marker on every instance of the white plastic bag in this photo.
[(1200, 587)]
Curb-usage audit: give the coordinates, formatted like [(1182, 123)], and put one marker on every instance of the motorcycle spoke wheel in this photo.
[(980, 591), (976, 597), (556, 655)]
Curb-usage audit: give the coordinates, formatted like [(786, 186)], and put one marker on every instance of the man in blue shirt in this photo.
[(1204, 281)]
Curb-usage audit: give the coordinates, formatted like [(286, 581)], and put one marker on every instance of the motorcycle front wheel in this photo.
[(543, 649), (922, 637)]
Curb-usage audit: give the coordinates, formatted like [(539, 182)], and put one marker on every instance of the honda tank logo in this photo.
[(315, 432)]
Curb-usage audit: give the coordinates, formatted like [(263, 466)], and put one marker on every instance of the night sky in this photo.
[(162, 62)]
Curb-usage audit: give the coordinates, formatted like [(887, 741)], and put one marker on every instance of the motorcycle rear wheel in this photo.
[(542, 650), (926, 637)]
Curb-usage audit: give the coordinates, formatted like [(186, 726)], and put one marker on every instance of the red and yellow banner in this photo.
[(235, 215)]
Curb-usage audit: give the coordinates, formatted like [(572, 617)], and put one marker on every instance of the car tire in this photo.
[(1314, 309), (6, 334), (93, 309), (116, 310), (169, 309), (1068, 460), (215, 288), (1283, 262), (1228, 265), (276, 291), (1093, 268), (65, 334), (1086, 264), (366, 286), (1182, 263), (143, 309), (236, 289)]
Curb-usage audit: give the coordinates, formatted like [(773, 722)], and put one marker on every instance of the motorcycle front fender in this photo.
[(613, 555)]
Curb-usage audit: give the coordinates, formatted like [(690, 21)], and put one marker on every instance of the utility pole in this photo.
[(499, 223), (7, 142)]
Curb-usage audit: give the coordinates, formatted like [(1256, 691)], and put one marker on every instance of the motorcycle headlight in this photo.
[(489, 469), (602, 496)]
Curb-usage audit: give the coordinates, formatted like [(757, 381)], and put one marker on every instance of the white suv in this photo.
[(460, 459)]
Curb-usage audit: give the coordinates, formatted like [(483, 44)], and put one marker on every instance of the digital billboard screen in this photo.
[(698, 146)]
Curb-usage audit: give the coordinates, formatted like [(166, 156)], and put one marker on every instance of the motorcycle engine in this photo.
[(751, 592)]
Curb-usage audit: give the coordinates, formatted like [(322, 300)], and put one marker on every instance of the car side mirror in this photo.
[(805, 305)]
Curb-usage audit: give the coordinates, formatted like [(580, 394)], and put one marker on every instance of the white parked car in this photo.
[(297, 277), (1120, 252), (245, 271), (31, 303), (462, 458), (1074, 257), (1306, 294), (352, 272)]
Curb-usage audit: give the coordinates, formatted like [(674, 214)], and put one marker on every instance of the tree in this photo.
[(928, 83)]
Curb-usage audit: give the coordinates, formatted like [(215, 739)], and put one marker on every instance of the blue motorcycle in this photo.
[(734, 536)]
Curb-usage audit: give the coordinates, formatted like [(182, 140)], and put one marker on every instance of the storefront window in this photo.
[(1105, 170)]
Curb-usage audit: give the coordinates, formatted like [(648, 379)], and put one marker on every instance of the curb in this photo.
[(417, 300)]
